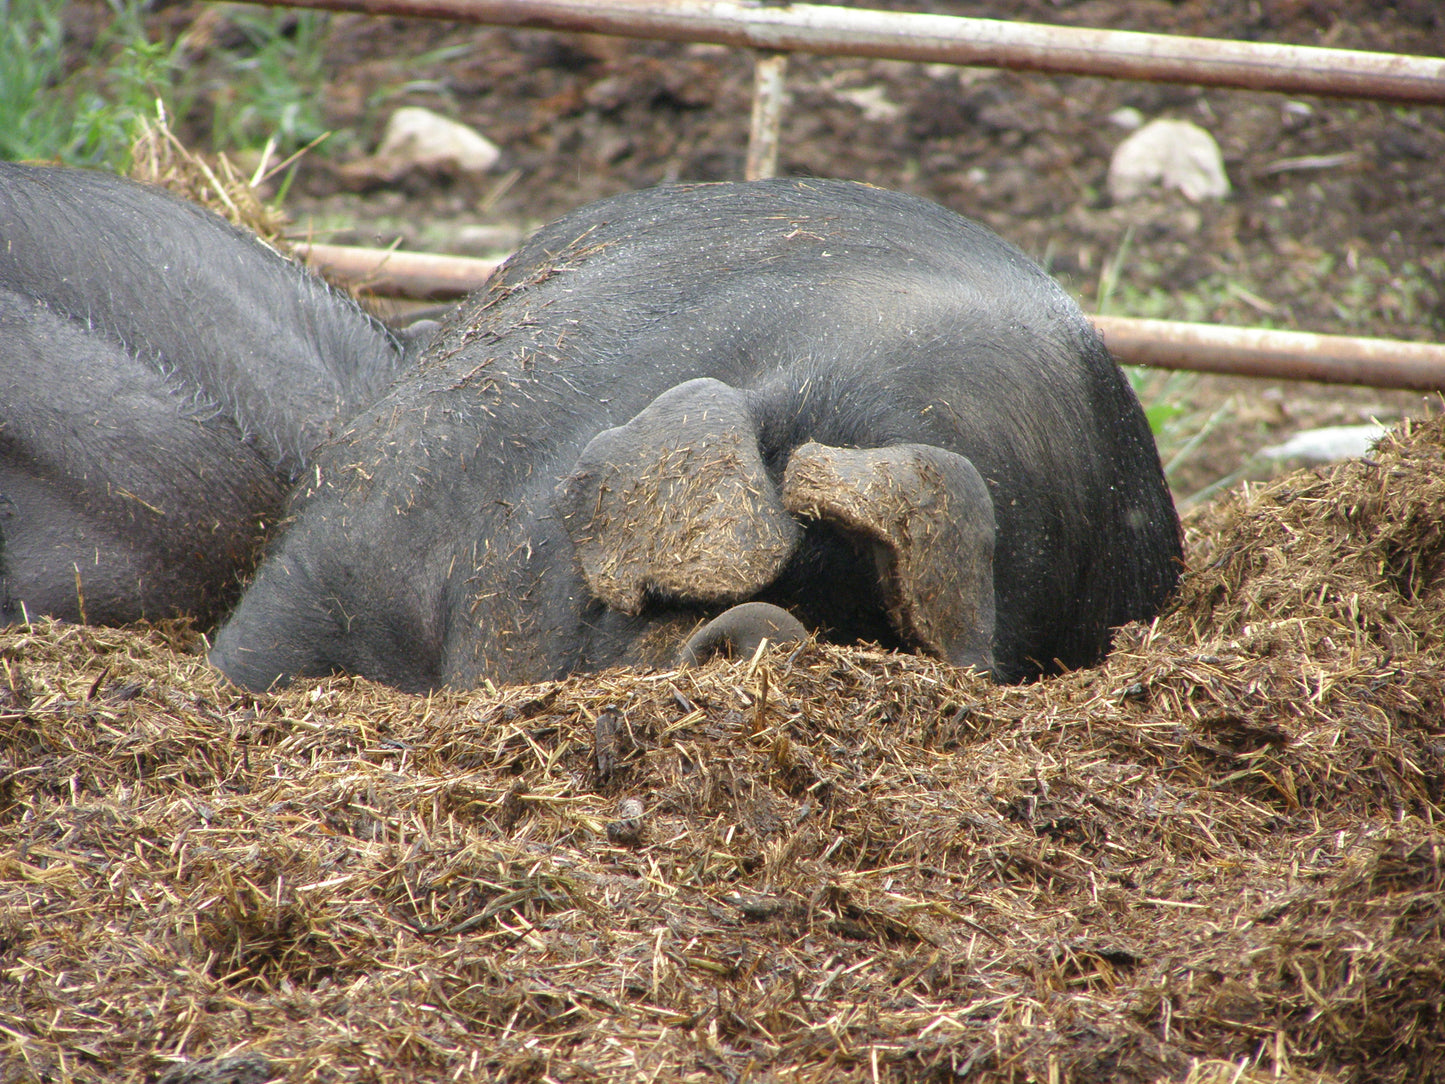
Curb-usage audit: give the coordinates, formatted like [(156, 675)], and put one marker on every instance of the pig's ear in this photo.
[(677, 503), (929, 518)]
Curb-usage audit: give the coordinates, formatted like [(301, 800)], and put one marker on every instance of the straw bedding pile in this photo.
[(1219, 857), (159, 158)]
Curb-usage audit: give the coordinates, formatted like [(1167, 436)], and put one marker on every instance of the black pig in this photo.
[(816, 394), (163, 378)]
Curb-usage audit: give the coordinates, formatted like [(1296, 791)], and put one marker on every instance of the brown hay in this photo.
[(158, 157), (1356, 550), (1216, 858)]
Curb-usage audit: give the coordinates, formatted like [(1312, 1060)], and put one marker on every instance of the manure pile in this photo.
[(1219, 857)]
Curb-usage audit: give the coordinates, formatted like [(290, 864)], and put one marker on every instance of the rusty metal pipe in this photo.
[(814, 28), (1283, 355), (419, 276), (1165, 344)]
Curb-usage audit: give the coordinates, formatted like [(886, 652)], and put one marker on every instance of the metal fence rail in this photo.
[(948, 39)]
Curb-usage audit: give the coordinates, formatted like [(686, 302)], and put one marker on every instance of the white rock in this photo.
[(873, 101), (1171, 153), (1327, 445), (1127, 117), (429, 139)]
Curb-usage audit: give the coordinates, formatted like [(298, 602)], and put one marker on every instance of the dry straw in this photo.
[(158, 157)]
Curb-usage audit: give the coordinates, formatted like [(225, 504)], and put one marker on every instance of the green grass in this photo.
[(57, 103), (271, 87), (83, 117), (1364, 292)]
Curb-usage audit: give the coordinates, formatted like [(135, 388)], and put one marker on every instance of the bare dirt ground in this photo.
[(1216, 858)]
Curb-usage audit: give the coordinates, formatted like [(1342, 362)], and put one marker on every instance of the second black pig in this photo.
[(163, 379)]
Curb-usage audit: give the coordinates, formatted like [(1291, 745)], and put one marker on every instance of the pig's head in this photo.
[(677, 513)]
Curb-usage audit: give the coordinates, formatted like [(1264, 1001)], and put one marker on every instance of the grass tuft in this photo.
[(258, 73)]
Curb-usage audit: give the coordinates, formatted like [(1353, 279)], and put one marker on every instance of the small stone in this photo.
[(425, 138), (630, 809), (1127, 117), (1169, 154), (630, 828), (1329, 444)]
